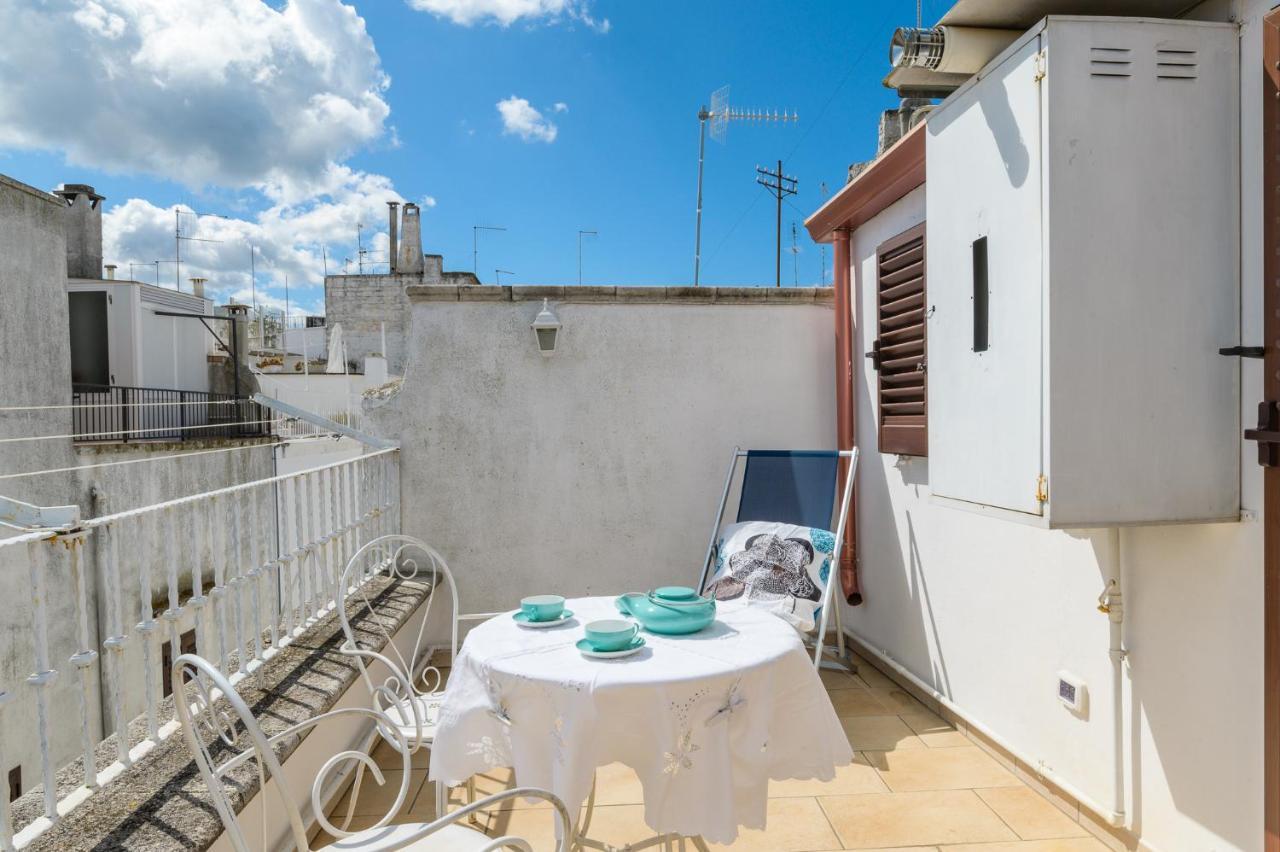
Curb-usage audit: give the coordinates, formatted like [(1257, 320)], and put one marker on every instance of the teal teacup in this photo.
[(542, 607), (611, 634)]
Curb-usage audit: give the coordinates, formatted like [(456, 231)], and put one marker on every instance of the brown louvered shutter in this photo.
[(899, 350)]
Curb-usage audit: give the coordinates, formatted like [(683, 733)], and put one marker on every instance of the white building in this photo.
[(1042, 273)]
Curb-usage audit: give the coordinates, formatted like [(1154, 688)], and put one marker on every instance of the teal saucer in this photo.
[(587, 651), (525, 621)]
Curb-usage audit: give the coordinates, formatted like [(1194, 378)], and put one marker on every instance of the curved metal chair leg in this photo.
[(442, 799)]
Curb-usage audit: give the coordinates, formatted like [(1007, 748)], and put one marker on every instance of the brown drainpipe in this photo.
[(845, 407)]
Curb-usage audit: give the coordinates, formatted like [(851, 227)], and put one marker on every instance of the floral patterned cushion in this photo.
[(780, 567)]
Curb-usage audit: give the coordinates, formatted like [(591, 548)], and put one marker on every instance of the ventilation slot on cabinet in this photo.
[(1109, 62), (1175, 63)]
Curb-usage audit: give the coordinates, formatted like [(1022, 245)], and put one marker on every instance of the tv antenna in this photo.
[(719, 116), (779, 186), (795, 257)]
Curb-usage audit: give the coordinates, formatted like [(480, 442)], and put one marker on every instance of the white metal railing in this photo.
[(268, 553)]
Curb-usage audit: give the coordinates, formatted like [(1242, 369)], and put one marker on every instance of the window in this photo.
[(188, 640), (899, 351)]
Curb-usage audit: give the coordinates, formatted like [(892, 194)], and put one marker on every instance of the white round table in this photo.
[(705, 720)]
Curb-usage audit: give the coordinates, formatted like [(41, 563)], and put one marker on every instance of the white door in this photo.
[(983, 191)]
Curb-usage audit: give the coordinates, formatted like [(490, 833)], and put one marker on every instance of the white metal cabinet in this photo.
[(1099, 159)]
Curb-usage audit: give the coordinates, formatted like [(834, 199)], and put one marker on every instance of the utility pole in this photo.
[(580, 236), (475, 246), (779, 186)]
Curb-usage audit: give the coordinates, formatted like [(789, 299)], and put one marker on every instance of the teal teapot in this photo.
[(672, 610)]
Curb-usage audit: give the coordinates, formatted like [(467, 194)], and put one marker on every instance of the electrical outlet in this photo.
[(1073, 692)]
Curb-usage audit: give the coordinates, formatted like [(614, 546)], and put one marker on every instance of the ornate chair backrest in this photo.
[(215, 718), (408, 558)]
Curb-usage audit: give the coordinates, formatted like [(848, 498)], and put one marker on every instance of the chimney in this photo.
[(410, 259), (111, 271), (197, 286), (82, 226), (392, 212)]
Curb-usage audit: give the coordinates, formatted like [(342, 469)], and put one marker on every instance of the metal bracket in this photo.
[(1244, 351), (15, 513), (1267, 434)]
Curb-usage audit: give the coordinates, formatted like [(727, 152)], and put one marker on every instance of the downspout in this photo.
[(1111, 604), (845, 405)]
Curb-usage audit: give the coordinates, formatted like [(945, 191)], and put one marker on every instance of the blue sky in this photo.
[(417, 93)]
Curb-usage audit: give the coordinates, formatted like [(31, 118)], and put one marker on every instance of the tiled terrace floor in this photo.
[(915, 783)]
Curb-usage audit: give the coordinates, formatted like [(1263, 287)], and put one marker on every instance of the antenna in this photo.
[(360, 247), (719, 116), (779, 186), (795, 257)]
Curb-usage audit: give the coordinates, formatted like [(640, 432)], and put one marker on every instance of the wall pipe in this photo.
[(1111, 603), (1107, 815), (845, 405)]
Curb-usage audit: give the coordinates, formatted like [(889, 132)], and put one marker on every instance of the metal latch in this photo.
[(874, 355), (1042, 489), (1267, 434), (1244, 351)]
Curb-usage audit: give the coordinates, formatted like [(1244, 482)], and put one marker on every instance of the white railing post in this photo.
[(84, 657), (204, 523), (146, 626), (116, 643), (237, 581), (44, 676), (174, 611), (256, 561), (219, 590)]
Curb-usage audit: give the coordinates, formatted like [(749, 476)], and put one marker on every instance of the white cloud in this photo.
[(507, 12), (227, 92), (521, 119), (292, 237), (560, 106)]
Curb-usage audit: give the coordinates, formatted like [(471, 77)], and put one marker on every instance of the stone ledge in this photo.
[(623, 294), (160, 804)]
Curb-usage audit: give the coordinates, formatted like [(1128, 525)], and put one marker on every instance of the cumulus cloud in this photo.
[(227, 92), (295, 237), (560, 106), (507, 12), (519, 118)]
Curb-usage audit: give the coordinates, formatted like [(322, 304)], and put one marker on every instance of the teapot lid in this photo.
[(675, 593)]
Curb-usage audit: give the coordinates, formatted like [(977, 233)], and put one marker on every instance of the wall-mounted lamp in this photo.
[(546, 328)]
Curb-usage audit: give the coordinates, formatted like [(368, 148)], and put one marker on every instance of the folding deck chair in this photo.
[(794, 487)]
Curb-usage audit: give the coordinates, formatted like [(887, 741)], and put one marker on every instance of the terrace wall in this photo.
[(597, 470)]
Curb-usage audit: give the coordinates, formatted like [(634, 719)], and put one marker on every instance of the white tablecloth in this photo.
[(705, 720)]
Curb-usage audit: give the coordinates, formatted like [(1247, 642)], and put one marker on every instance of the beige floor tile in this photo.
[(879, 733), (618, 784), (911, 770), (832, 679), (376, 799), (1029, 814), (934, 730), (792, 825), (1075, 844), (871, 676), (898, 700), (856, 777), (386, 756), (886, 820), (617, 825), (857, 702), (358, 823)]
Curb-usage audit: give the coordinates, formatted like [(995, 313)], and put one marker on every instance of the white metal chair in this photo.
[(206, 720), (411, 694)]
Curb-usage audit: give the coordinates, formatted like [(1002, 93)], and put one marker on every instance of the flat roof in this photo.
[(1021, 14)]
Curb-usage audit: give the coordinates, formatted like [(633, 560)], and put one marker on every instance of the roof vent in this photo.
[(933, 61)]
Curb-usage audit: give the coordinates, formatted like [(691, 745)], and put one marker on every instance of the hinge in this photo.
[(1042, 489), (1267, 434), (1040, 66)]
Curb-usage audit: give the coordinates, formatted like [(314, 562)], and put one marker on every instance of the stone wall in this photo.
[(362, 304), (597, 470)]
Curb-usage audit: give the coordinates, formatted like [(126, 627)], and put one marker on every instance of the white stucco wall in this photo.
[(598, 470), (987, 611)]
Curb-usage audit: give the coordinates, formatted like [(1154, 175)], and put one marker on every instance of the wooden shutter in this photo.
[(899, 351)]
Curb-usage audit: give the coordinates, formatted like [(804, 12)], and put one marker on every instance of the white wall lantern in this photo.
[(546, 329)]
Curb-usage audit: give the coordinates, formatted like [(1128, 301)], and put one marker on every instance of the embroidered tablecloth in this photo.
[(704, 720)]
